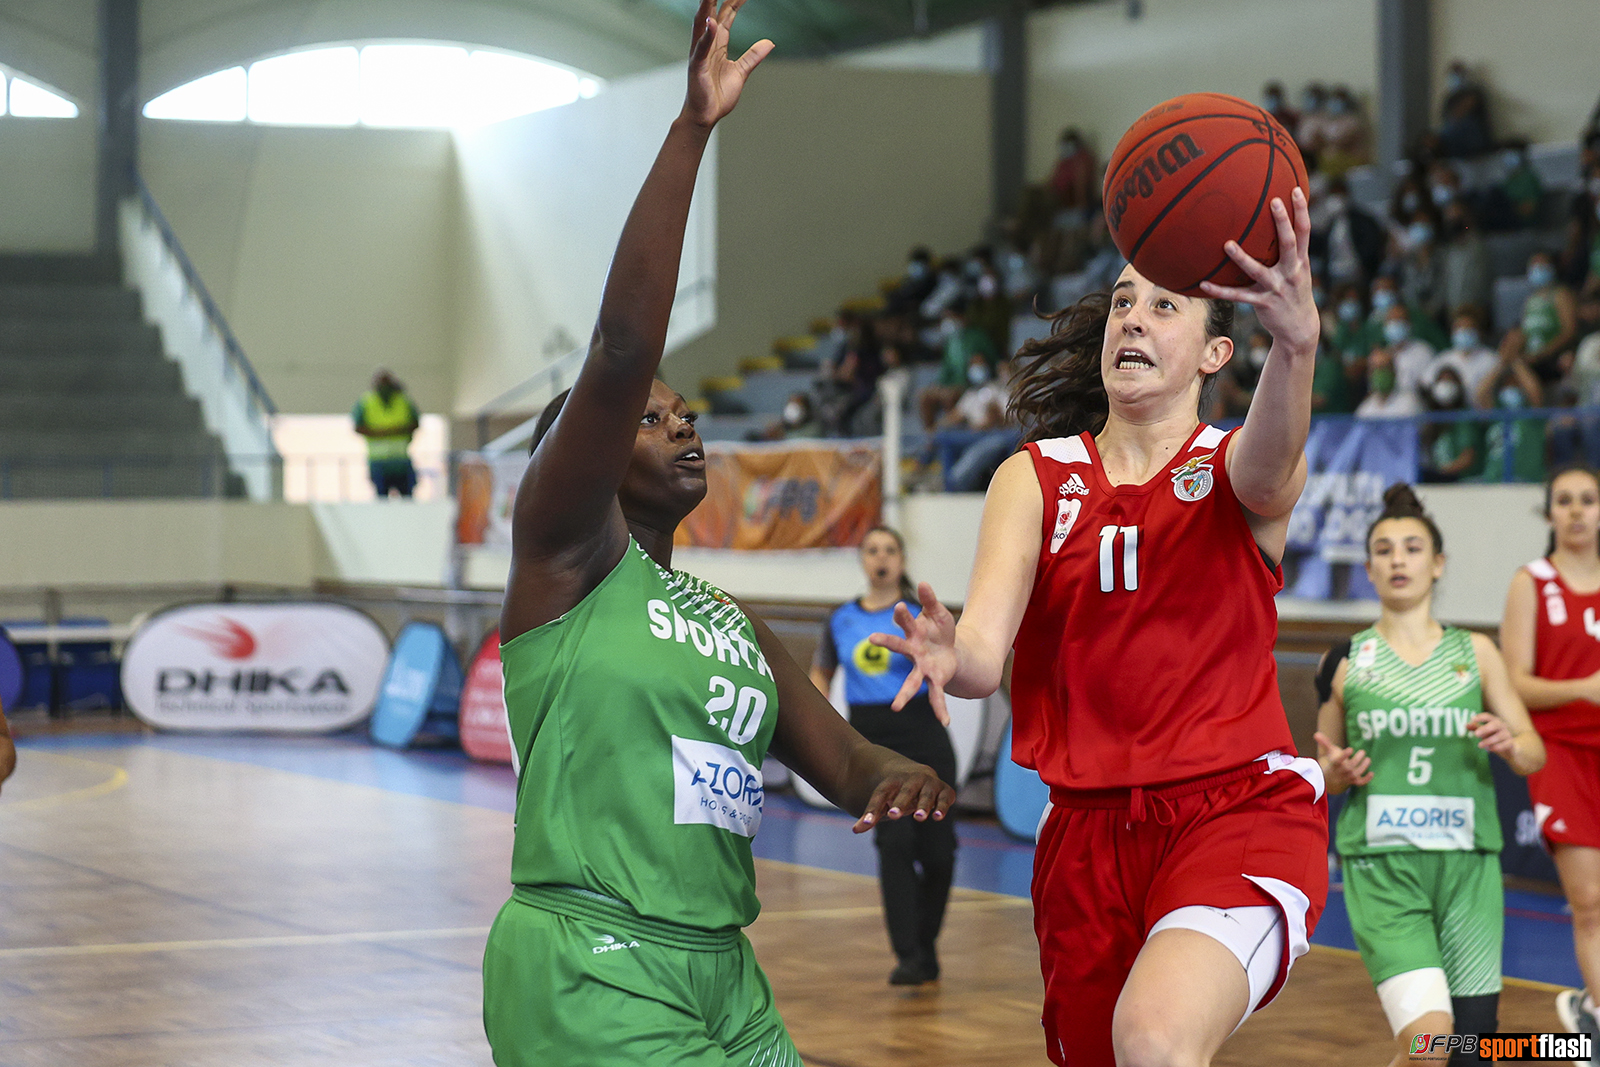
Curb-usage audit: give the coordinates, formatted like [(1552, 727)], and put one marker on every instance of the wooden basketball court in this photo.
[(163, 908)]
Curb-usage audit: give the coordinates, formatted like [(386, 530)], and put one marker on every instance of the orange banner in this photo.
[(793, 495)]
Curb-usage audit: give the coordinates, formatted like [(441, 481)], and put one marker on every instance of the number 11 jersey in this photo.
[(1145, 654)]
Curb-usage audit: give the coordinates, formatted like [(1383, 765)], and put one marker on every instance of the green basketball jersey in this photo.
[(639, 720), (1431, 788)]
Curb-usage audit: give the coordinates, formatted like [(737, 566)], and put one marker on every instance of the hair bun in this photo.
[(1400, 502)]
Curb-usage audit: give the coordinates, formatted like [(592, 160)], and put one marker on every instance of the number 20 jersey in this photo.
[(1145, 654)]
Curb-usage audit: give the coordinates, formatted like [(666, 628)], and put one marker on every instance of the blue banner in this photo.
[(421, 691), (11, 672), (1019, 794), (1351, 462)]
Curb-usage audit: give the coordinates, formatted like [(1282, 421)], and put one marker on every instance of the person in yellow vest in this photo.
[(387, 418)]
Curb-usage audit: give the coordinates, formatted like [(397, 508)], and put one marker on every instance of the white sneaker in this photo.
[(1576, 1019)]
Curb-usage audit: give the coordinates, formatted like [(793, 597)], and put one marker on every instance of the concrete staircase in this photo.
[(90, 405)]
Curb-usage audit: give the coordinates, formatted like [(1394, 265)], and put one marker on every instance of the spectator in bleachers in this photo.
[(1444, 185), (855, 379), (1464, 273), (1451, 451), (1543, 339), (1075, 178), (916, 284), (799, 420), (1580, 259), (1464, 124), (1277, 106), (982, 407), (962, 341), (1386, 399), (989, 308), (1468, 357), (1419, 265), (1409, 196), (1310, 133), (1018, 278), (1513, 203), (1386, 297), (1511, 387), (949, 287), (1346, 138), (1105, 263), (1585, 375), (1349, 247), (1243, 371), (1412, 354), (1330, 385)]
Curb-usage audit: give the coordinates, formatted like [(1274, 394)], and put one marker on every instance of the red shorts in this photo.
[(1111, 863), (1566, 794)]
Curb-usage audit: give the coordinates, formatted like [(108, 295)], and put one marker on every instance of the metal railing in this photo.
[(261, 401)]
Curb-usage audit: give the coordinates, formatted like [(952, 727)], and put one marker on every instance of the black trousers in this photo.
[(916, 860)]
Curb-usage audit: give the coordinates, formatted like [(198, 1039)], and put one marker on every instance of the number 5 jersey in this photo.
[(1145, 654), (639, 720)]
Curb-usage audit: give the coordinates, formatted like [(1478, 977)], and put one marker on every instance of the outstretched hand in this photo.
[(1281, 294), (715, 80), (930, 644), (908, 789)]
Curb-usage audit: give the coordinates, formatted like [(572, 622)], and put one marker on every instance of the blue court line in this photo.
[(1538, 942)]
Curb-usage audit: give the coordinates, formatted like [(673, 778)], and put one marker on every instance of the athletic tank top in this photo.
[(639, 720), (1540, 320), (1431, 787), (872, 674), (1145, 653), (1566, 645)]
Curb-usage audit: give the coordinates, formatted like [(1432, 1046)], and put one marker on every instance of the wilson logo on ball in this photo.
[(1164, 162)]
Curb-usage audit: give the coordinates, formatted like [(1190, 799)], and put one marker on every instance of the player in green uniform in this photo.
[(1407, 733), (642, 700)]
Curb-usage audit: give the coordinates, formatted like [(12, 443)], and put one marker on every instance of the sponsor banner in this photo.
[(11, 674), (716, 786), (794, 494), (486, 491), (485, 733), (1350, 462), (1503, 1048), (421, 691), (300, 668), (1430, 823)]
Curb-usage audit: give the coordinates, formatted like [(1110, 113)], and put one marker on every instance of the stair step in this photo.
[(78, 302), (63, 335)]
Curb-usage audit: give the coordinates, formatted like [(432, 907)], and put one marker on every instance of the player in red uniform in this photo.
[(1551, 638), (1130, 554)]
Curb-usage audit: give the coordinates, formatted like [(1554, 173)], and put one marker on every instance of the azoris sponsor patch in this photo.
[(305, 668), (1433, 824), (715, 785)]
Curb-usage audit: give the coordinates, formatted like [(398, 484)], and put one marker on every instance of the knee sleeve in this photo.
[(1408, 997), (1476, 1015)]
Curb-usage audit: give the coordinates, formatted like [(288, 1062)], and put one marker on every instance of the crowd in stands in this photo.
[(1474, 288)]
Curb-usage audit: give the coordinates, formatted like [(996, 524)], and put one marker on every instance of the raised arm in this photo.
[(1517, 642), (567, 528), (1505, 729), (1266, 458), (968, 659)]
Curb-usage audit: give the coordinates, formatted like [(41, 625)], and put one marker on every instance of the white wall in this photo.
[(954, 51), (1091, 67), (47, 175), (328, 250), (544, 198), (1541, 59), (827, 175)]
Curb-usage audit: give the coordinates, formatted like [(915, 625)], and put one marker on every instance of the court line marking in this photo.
[(118, 779)]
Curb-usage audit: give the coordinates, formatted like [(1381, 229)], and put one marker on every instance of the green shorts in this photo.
[(572, 978), (1411, 910)]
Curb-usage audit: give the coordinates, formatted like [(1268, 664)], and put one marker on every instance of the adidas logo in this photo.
[(1074, 486)]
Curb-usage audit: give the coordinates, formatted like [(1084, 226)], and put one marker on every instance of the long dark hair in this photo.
[(1400, 502), (908, 588), (1549, 490), (1057, 390)]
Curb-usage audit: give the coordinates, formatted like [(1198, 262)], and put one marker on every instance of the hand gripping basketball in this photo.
[(1281, 294), (930, 644)]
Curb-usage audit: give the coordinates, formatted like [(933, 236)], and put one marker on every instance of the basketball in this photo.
[(1191, 174)]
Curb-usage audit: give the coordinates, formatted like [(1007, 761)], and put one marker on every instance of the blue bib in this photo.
[(873, 675)]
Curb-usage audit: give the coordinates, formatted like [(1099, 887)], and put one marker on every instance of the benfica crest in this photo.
[(1193, 480)]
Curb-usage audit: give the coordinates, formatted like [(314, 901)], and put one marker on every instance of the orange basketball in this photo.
[(1195, 172)]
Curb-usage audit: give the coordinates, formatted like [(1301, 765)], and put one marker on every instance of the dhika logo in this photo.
[(230, 639), (227, 638), (611, 944), (1165, 161)]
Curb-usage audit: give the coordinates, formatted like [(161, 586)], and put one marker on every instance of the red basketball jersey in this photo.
[(1566, 644), (1145, 655)]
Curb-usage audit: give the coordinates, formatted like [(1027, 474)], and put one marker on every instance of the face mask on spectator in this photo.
[(1408, 201), (1510, 397), (794, 413), (1396, 330), (1442, 194), (916, 270), (974, 269), (1419, 234), (1383, 380), (1541, 275), (1258, 355), (1454, 81), (1382, 299), (987, 286), (1274, 101), (1446, 392), (977, 374), (948, 328), (1336, 106), (1512, 160), (1349, 311), (1464, 337)]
